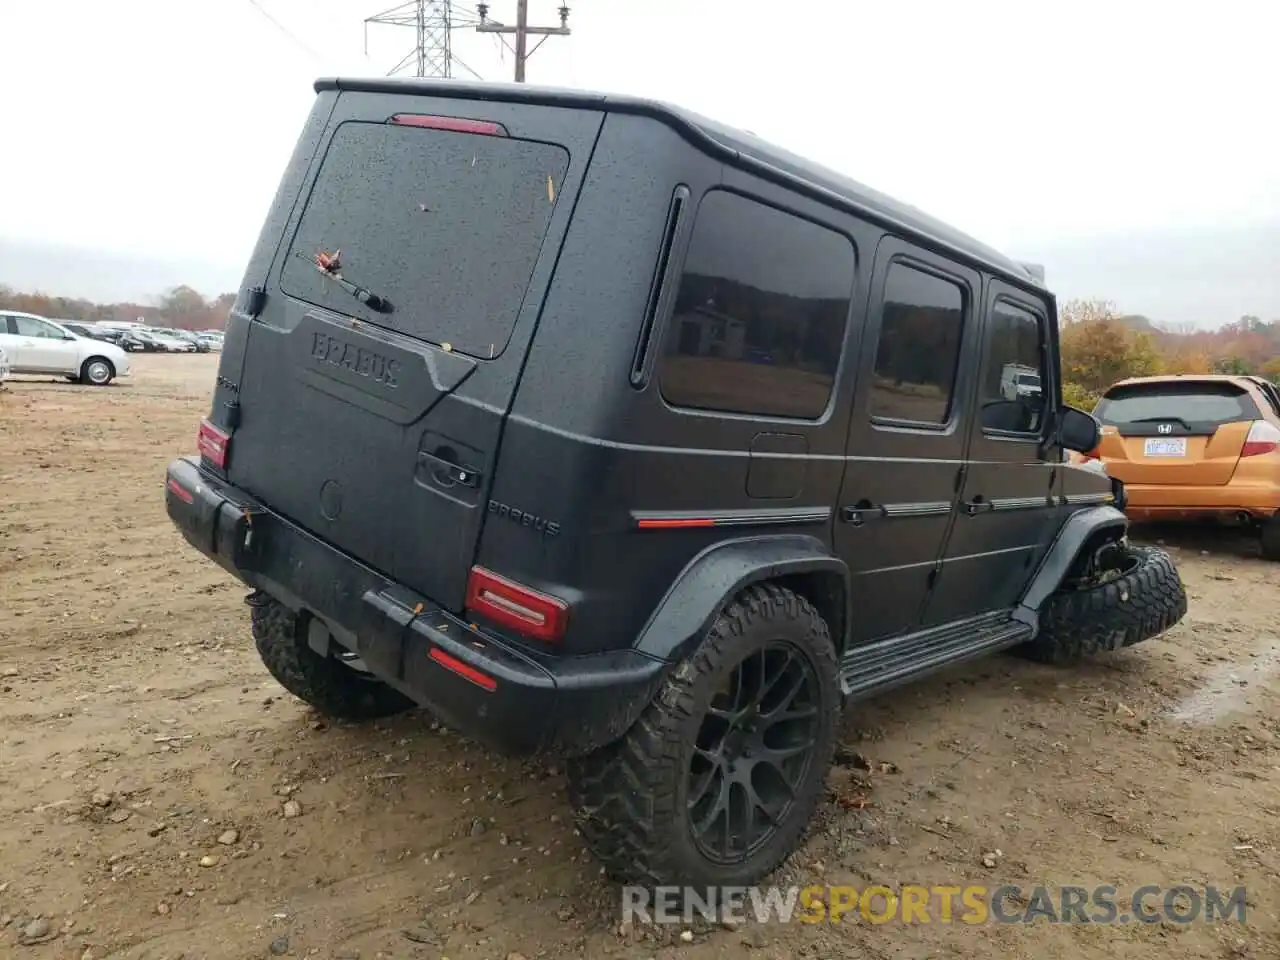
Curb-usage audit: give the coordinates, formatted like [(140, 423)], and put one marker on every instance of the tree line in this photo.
[(1100, 346), (181, 308)]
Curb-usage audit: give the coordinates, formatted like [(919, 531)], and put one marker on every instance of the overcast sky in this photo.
[(1075, 132)]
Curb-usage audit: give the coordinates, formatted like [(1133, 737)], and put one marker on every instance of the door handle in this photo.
[(861, 512), (978, 505), (448, 473)]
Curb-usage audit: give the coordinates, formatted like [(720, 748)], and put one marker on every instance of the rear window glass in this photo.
[(446, 226), (1189, 402)]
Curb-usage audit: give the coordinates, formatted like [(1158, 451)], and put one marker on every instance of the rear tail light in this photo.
[(518, 607), (485, 128), (213, 443), (1263, 438)]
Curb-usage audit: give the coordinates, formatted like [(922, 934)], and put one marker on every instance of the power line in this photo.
[(522, 31), (285, 30)]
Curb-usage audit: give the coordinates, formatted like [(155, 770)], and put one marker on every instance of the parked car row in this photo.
[(138, 339), (157, 340), (94, 332)]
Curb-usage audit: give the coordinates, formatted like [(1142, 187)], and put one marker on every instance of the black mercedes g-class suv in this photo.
[(602, 430)]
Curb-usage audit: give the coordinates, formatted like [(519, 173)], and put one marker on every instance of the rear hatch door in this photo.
[(1180, 432), (398, 309)]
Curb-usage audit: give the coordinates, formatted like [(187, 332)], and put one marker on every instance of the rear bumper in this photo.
[(1172, 502), (563, 706)]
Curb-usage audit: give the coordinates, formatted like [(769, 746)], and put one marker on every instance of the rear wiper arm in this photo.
[(329, 265)]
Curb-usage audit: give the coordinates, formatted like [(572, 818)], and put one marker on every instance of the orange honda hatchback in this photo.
[(1196, 446)]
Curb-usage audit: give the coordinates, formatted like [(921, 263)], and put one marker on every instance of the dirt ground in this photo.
[(146, 760)]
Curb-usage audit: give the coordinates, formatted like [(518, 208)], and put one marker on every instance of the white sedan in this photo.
[(39, 345)]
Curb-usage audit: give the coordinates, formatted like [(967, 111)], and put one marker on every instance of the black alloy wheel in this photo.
[(752, 752)]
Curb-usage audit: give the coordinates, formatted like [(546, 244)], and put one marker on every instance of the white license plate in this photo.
[(1162, 447)]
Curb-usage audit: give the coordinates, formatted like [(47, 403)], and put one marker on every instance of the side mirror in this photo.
[(1077, 430)]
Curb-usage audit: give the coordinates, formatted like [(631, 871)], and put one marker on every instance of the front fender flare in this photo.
[(713, 577), (1079, 528)]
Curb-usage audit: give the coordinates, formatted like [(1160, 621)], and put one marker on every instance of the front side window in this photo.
[(1013, 396), (31, 327), (759, 319), (921, 328)]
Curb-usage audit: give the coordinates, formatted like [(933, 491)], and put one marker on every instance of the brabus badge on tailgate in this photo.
[(361, 361)]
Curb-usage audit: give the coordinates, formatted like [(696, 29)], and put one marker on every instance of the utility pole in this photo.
[(522, 31), (433, 22)]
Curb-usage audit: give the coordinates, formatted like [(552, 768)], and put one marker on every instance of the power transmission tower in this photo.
[(522, 31), (433, 21)]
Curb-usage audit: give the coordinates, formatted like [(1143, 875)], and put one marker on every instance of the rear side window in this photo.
[(760, 314), (447, 226), (1192, 403), (919, 347), (1272, 395)]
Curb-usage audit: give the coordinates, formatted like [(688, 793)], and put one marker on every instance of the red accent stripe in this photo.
[(463, 670), (180, 491), (672, 524)]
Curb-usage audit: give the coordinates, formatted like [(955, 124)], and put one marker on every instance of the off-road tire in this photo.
[(91, 372), (629, 798), (333, 688), (1269, 538), (1135, 606)]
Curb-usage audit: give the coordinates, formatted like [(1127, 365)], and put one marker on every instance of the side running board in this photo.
[(876, 667)]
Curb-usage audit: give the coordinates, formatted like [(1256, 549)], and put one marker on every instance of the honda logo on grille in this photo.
[(1165, 428)]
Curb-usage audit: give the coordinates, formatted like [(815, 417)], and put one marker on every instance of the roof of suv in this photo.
[(744, 147)]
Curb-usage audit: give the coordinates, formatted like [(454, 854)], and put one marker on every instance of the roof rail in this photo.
[(1036, 270)]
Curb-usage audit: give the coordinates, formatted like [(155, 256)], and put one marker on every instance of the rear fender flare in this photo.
[(1080, 529), (716, 575)]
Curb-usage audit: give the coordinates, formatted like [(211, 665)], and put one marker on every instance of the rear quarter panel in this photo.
[(584, 448), (567, 456)]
